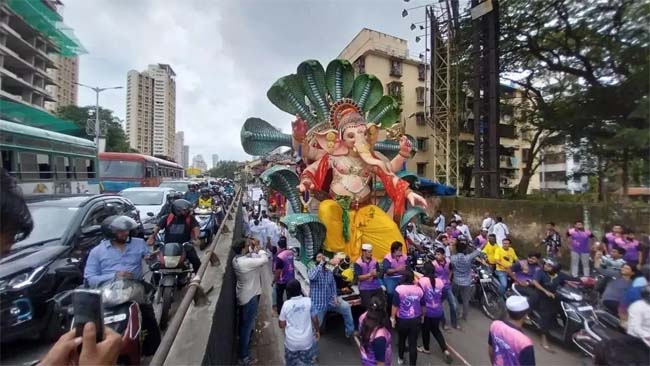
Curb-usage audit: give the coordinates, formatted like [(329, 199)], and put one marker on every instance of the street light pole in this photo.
[(97, 90)]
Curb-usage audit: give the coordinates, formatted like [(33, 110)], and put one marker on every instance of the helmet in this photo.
[(113, 224), (205, 190), (348, 275), (171, 197), (557, 266), (179, 206)]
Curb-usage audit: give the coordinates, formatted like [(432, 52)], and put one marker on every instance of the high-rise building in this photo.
[(186, 156), (199, 163), (178, 146), (215, 160), (66, 75), (151, 110), (32, 38)]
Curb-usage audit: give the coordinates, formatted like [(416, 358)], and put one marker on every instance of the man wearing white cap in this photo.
[(365, 269), (508, 345)]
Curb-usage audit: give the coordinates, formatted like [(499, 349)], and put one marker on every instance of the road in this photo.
[(470, 343)]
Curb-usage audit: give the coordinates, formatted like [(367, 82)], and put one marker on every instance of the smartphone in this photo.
[(88, 307)]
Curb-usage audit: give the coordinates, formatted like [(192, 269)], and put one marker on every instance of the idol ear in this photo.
[(373, 133), (329, 141)]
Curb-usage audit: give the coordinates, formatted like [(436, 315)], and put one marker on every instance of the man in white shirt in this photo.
[(488, 222), (638, 321), (263, 204), (439, 222), (456, 216), (259, 233), (300, 326), (248, 262), (464, 229), (500, 230)]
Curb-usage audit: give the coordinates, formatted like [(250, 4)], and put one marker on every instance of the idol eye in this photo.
[(351, 135)]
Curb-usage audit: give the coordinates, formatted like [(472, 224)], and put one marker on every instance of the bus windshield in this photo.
[(120, 169)]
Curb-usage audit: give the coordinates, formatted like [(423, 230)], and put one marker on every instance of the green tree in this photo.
[(115, 137), (225, 169)]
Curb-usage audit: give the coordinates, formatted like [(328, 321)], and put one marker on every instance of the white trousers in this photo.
[(579, 257)]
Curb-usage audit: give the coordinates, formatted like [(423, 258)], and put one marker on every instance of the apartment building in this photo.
[(186, 156), (66, 76), (403, 78), (199, 163), (178, 147), (151, 110), (558, 168), (32, 38)]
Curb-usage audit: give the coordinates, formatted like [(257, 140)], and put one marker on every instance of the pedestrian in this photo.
[(434, 315), (488, 222), (454, 232), (322, 287), (481, 239), (552, 241), (366, 269), (523, 272), (439, 223), (490, 249), (461, 266), (609, 265), (508, 345), (248, 262), (283, 272), (638, 323), (580, 248), (300, 327), (500, 230), (504, 256), (407, 314), (613, 238), (455, 215), (616, 288), (633, 252), (464, 229), (375, 340), (394, 263), (443, 272)]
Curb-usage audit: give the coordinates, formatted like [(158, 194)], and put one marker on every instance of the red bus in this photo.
[(118, 171)]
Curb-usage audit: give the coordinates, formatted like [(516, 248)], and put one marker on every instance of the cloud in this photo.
[(226, 54)]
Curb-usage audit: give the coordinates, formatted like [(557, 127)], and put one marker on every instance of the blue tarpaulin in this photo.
[(437, 189)]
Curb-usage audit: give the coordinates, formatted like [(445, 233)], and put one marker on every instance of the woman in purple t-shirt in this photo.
[(407, 314)]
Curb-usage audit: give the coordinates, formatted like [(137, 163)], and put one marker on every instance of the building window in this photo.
[(422, 169), (421, 72), (422, 143), (419, 92), (395, 90), (395, 67), (419, 118)]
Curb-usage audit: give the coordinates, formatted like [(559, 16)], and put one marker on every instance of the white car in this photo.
[(148, 200)]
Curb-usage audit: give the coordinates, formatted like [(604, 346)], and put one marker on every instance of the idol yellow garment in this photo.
[(369, 224), (504, 258)]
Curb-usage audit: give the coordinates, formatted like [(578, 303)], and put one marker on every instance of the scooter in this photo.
[(577, 321), (206, 219), (486, 292), (170, 271)]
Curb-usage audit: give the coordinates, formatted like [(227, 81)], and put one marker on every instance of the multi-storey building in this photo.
[(178, 147), (215, 160), (186, 156), (199, 163), (151, 110), (66, 75)]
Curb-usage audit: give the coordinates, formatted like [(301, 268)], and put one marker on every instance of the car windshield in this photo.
[(177, 186), (144, 198), (120, 169), (50, 222)]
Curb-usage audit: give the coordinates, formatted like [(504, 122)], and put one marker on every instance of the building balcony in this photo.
[(559, 167), (19, 44), (15, 61)]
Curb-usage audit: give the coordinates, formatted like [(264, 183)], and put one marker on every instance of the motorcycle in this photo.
[(577, 322), (416, 259), (485, 290), (206, 219), (121, 313), (171, 270)]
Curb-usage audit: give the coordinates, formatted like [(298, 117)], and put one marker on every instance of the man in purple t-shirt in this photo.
[(580, 248)]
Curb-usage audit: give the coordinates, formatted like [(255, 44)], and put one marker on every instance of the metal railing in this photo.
[(174, 326)]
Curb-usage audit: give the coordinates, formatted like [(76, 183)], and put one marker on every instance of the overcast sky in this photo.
[(226, 53)]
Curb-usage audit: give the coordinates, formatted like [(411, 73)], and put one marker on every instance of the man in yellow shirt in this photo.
[(504, 256), (490, 248), (205, 201)]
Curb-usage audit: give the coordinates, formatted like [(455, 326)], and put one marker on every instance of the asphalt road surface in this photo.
[(470, 343)]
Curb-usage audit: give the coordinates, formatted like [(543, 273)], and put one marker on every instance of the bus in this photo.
[(47, 162), (118, 171)]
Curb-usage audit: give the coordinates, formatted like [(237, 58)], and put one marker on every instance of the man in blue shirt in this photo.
[(120, 255)]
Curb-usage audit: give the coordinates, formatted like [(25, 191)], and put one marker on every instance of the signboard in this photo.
[(481, 9), (90, 128)]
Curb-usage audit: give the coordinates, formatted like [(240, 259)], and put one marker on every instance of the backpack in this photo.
[(170, 219)]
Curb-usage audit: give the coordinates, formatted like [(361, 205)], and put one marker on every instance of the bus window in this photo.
[(44, 166), (160, 172), (59, 167), (8, 160), (80, 168), (90, 168), (34, 166), (68, 167)]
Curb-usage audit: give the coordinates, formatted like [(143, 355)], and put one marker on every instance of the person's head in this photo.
[(534, 257), (459, 222), (550, 225), (192, 187), (448, 229), (205, 192), (492, 239), (282, 242), (617, 229), (118, 228), (396, 248), (617, 252), (623, 350), (455, 212), (629, 235), (461, 244), (517, 307), (453, 224), (264, 214), (181, 208), (552, 266), (439, 254), (320, 257), (484, 232), (444, 239), (499, 219), (408, 277), (293, 288), (486, 215), (15, 220), (366, 251), (410, 226), (438, 213), (628, 270), (240, 246), (579, 225), (376, 317), (505, 243)]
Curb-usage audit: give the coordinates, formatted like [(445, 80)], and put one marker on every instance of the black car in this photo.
[(51, 260)]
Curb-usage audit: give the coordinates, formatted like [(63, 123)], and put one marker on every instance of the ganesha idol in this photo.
[(336, 132)]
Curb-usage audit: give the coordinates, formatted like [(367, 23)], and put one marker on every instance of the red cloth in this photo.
[(397, 192), (318, 177)]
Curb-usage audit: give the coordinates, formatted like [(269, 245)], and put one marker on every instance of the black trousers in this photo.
[(408, 328), (193, 257), (366, 295), (150, 325), (279, 295), (432, 326)]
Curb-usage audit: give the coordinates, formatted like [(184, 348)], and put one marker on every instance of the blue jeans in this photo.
[(342, 308), (503, 281), (453, 303), (298, 358), (247, 316)]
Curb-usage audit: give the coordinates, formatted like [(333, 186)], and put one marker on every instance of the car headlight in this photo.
[(172, 262), (26, 278)]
